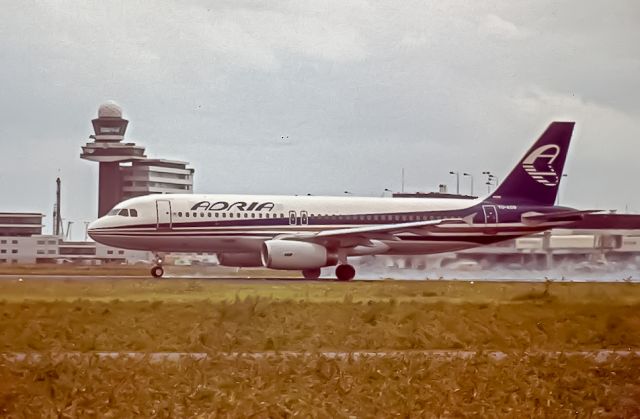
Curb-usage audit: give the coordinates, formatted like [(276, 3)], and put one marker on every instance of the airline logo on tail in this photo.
[(544, 157)]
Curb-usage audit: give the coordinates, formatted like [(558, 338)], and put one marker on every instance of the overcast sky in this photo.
[(362, 90)]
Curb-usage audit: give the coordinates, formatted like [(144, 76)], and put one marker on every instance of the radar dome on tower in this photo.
[(110, 109)]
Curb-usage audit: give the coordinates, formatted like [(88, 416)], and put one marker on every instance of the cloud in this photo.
[(604, 137), (413, 41), (501, 28), (362, 88)]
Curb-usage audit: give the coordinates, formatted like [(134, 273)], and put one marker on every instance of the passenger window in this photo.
[(124, 212), (253, 215), (133, 213), (179, 213), (195, 214), (224, 215), (217, 215), (259, 215), (209, 214), (246, 215), (186, 214)]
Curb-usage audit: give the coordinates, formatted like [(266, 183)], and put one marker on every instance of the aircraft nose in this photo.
[(94, 227)]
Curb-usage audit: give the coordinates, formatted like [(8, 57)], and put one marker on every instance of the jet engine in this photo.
[(291, 254), (240, 260)]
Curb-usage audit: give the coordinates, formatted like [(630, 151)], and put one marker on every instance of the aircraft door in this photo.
[(163, 212), (292, 218), (304, 218), (490, 214)]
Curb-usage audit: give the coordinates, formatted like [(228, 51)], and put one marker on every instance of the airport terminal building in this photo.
[(23, 242)]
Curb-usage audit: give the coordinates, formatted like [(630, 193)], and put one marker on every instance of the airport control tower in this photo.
[(125, 171)]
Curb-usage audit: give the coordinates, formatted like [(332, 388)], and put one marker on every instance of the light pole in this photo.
[(457, 181), (471, 177), (490, 178)]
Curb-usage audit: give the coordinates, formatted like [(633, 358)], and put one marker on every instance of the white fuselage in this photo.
[(241, 223)]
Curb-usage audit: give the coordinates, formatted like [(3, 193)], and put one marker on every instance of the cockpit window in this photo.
[(114, 211), (133, 213), (124, 212)]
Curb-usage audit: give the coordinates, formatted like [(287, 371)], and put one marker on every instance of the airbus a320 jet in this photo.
[(308, 233)]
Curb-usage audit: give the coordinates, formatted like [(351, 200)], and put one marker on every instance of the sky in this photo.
[(361, 89)]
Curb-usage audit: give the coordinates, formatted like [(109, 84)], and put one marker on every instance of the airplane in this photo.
[(308, 233)]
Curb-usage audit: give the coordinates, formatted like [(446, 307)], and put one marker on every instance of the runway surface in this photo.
[(271, 280), (600, 355)]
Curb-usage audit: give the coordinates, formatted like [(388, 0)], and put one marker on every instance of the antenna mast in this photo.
[(57, 217)]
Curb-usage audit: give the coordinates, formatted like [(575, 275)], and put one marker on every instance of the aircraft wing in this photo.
[(535, 218), (373, 230), (347, 236)]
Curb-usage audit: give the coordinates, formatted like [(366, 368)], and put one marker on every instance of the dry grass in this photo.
[(278, 387), (185, 290), (255, 324), (213, 316)]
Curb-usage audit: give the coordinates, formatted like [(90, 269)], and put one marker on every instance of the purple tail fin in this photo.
[(536, 178)]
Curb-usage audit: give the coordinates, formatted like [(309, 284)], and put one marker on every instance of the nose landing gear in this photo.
[(157, 270)]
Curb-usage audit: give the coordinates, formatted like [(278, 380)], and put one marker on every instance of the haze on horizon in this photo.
[(361, 89)]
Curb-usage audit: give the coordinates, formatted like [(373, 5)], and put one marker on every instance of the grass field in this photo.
[(92, 315), (314, 386), (185, 290)]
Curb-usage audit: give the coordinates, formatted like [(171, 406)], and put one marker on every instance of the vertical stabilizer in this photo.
[(536, 178)]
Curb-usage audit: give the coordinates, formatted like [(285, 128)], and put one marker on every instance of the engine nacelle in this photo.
[(240, 260), (291, 254)]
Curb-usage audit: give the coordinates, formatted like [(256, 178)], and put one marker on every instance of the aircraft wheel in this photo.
[(345, 272), (157, 272), (311, 273)]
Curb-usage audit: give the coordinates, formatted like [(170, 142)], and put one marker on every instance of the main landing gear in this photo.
[(344, 272), (311, 273)]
